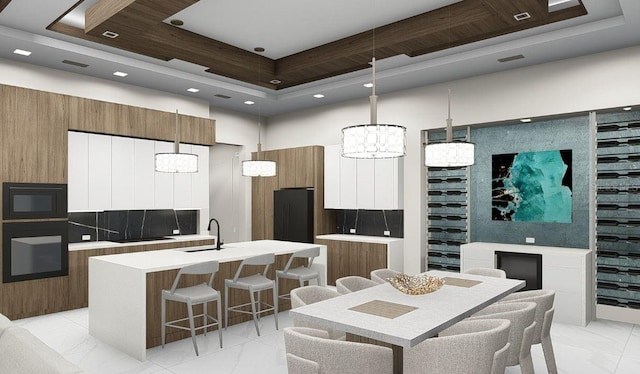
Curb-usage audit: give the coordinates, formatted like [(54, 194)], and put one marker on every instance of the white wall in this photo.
[(581, 84)]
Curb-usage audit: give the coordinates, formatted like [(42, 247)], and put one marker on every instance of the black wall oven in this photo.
[(34, 201), (34, 250)]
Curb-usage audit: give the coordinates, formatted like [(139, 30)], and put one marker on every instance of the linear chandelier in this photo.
[(176, 162), (449, 154), (374, 140)]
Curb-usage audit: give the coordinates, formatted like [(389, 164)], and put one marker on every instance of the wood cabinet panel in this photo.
[(262, 199), (34, 297), (52, 143), (346, 258), (19, 137)]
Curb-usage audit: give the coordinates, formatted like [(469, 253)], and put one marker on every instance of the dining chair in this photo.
[(468, 347), (522, 318), (544, 317), (302, 273), (312, 294), (194, 295), (487, 272), (255, 283), (381, 275), (311, 346), (353, 283)]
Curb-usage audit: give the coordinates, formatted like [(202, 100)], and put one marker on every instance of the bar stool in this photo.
[(193, 295), (302, 273), (253, 283)]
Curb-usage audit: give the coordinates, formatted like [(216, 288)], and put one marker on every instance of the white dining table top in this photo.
[(435, 311)]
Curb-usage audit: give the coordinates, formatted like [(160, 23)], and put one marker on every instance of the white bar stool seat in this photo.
[(302, 273)]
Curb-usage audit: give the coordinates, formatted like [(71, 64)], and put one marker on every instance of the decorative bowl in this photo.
[(416, 285)]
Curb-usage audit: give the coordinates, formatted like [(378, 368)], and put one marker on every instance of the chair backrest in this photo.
[(306, 295), (522, 316), (299, 365), (353, 283), (381, 275), (487, 272), (468, 347), (309, 254), (265, 259), (209, 267), (336, 356), (544, 302)]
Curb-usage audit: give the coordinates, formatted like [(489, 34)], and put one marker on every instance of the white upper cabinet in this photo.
[(182, 184), (362, 183), (200, 180), (122, 169), (78, 189), (99, 172), (163, 182), (143, 174)]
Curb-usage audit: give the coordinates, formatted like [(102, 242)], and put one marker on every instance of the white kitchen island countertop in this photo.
[(118, 285), (361, 238)]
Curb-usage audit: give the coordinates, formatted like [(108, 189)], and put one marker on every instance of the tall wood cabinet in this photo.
[(301, 167)]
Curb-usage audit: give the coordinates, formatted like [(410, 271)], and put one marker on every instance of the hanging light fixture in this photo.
[(374, 140), (449, 154), (177, 162), (259, 167)]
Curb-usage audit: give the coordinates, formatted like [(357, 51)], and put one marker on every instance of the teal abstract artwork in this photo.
[(532, 186)]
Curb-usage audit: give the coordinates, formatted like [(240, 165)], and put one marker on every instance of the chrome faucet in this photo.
[(218, 242)]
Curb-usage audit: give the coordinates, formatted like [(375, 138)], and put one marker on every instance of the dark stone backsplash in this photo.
[(121, 225), (371, 222)]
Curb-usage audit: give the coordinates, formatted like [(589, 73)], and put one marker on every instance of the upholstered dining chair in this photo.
[(522, 318), (302, 273), (487, 272), (381, 275), (544, 318), (468, 347), (353, 283), (312, 294), (311, 351), (254, 284), (194, 295)]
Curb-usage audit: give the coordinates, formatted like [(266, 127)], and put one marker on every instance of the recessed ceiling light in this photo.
[(177, 22), (249, 102), (522, 16), (525, 120), (368, 85), (259, 49), (22, 52), (110, 34), (194, 90), (275, 81), (318, 96), (120, 74), (627, 108)]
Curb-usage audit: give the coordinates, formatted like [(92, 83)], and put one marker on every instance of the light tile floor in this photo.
[(601, 347)]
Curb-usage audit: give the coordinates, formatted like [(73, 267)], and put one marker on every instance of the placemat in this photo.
[(383, 309), (459, 282)]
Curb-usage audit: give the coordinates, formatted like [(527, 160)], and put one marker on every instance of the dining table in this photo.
[(384, 315)]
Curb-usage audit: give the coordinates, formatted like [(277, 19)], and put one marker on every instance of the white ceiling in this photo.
[(288, 26)]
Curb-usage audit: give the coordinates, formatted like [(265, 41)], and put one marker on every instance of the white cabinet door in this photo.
[(182, 185), (143, 174), (163, 182), (122, 169), (332, 177), (389, 183), (99, 181), (200, 180), (348, 183), (365, 183), (78, 185)]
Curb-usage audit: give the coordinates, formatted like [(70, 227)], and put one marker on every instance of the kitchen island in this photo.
[(124, 289)]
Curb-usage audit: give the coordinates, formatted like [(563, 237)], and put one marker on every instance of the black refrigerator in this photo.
[(293, 215)]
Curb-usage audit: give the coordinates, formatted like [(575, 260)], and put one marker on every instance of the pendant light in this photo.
[(259, 167), (374, 140), (449, 154), (177, 162)]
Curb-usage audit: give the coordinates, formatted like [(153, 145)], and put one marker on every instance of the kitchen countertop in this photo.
[(360, 238), (107, 244)]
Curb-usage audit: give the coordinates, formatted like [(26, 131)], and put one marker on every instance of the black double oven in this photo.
[(34, 231)]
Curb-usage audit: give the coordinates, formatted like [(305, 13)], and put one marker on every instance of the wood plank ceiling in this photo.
[(141, 29)]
